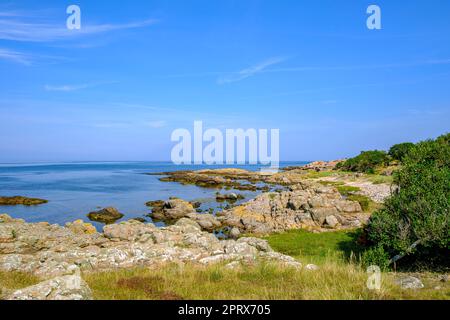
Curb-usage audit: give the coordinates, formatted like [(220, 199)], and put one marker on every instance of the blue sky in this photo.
[(139, 69)]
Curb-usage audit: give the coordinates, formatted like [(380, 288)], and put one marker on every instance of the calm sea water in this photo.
[(75, 189)]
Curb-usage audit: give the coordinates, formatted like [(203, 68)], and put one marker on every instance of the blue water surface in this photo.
[(75, 189)]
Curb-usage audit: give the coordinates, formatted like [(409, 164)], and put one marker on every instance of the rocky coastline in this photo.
[(287, 200)]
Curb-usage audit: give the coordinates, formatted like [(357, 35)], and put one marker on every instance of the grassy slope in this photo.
[(338, 278)]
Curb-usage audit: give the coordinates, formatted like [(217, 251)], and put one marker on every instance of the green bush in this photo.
[(420, 209), (376, 256), (366, 162), (399, 151)]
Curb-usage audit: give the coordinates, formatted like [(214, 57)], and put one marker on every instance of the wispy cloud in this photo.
[(227, 77), (249, 72), (15, 56), (156, 124), (74, 87), (18, 27)]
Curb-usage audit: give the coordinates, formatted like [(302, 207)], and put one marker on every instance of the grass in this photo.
[(347, 190), (367, 205), (321, 174), (15, 280), (379, 179), (339, 276), (262, 281), (317, 248)]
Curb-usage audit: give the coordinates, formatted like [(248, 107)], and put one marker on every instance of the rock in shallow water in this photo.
[(107, 215)]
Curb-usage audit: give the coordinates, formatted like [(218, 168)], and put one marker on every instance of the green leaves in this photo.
[(420, 210)]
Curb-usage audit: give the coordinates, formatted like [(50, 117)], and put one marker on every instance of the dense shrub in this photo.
[(399, 151), (366, 162), (420, 209)]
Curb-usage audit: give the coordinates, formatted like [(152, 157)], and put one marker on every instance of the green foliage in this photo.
[(420, 210), (376, 256), (399, 151), (366, 162)]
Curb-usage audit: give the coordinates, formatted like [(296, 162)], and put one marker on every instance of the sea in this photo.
[(77, 188)]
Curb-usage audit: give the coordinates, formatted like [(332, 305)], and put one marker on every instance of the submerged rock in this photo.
[(18, 200), (107, 215), (232, 197)]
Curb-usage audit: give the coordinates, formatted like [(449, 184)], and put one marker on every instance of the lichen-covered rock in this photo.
[(70, 287), (206, 221), (51, 250), (171, 210), (306, 205), (79, 226), (409, 282)]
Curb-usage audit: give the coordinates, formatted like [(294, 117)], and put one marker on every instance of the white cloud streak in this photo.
[(15, 56), (13, 27), (74, 87), (249, 72), (157, 124)]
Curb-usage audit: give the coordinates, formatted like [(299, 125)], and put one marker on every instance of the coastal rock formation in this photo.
[(316, 166), (173, 209), (51, 250), (107, 215), (70, 287), (307, 205), (218, 179), (18, 200)]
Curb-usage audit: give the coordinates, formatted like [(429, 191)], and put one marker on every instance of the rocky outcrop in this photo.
[(70, 287), (107, 215), (175, 209), (51, 250), (307, 205), (171, 210), (18, 200), (218, 179), (316, 166)]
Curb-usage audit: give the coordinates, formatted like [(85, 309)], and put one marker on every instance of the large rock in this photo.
[(409, 282), (107, 215), (70, 287), (171, 210), (206, 221)]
